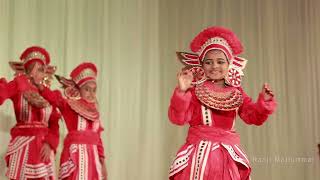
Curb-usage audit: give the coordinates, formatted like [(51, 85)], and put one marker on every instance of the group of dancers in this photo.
[(35, 136), (208, 98)]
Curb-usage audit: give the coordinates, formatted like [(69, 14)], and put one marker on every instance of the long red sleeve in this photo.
[(100, 145), (3, 90), (55, 98), (9, 89), (53, 135), (180, 111), (256, 112)]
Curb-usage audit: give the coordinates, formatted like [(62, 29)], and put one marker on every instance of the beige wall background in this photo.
[(133, 43)]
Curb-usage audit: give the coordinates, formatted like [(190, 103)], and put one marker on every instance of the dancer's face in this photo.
[(88, 91), (36, 72), (215, 65)]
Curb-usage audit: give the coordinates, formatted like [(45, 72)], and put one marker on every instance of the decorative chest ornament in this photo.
[(226, 100)]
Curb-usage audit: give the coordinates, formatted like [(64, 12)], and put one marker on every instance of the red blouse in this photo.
[(30, 119), (71, 117), (186, 108)]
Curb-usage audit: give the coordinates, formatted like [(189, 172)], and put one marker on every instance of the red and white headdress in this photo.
[(221, 39), (83, 73), (35, 53), (30, 55)]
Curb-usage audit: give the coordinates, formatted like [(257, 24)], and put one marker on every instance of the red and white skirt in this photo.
[(210, 161), (24, 161), (80, 162)]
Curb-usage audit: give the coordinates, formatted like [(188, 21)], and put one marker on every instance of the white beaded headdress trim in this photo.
[(215, 40), (34, 55), (85, 74)]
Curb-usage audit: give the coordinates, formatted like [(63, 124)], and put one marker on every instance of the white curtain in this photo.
[(133, 43)]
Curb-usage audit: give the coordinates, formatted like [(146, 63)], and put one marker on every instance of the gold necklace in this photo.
[(225, 99)]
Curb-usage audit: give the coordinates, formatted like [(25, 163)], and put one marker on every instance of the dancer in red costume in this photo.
[(208, 97), (37, 129), (83, 153)]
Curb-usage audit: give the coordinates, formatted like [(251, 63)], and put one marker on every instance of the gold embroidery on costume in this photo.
[(226, 100), (35, 99), (88, 112)]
